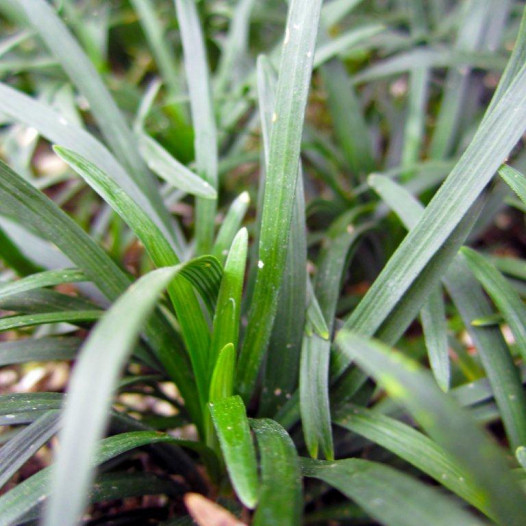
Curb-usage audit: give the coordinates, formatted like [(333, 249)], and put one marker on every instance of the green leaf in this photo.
[(172, 171), (203, 120), (35, 489), (521, 456), (314, 395), (22, 408), (280, 375), (193, 325), (230, 226), (433, 314), (227, 314), (38, 350), (59, 130), (434, 324), (515, 180), (280, 187), (89, 394), (164, 56), (315, 317), (223, 376), (495, 138), (14, 257), (235, 49), (39, 301), (280, 498), (34, 210), (503, 295), (76, 317), (25, 444), (380, 490), (231, 424), (82, 73), (445, 422), (412, 446), (472, 304), (42, 279)]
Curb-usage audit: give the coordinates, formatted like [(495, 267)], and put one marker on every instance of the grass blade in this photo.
[(9, 323), (497, 361), (280, 187), (34, 490), (39, 350), (230, 226), (32, 209), (434, 324), (471, 303), (49, 278), (280, 501), (57, 129), (414, 447), (515, 180), (226, 318), (172, 171), (314, 395), (24, 408), (193, 325), (503, 295), (97, 373), (495, 138), (433, 314), (231, 424), (83, 74), (201, 106), (223, 376), (445, 422), (25, 444), (380, 489), (281, 368)]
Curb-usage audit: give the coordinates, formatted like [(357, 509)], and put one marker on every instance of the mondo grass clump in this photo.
[(262, 262)]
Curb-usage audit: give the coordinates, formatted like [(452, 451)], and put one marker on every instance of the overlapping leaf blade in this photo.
[(445, 422)]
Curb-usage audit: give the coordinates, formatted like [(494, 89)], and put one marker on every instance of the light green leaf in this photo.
[(515, 180), (25, 444), (280, 501), (38, 350), (380, 490), (230, 226), (445, 422), (76, 317), (203, 120), (35, 489), (503, 295), (89, 393), (193, 325), (172, 171), (280, 187), (412, 446), (231, 424), (223, 376), (227, 314), (42, 279)]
